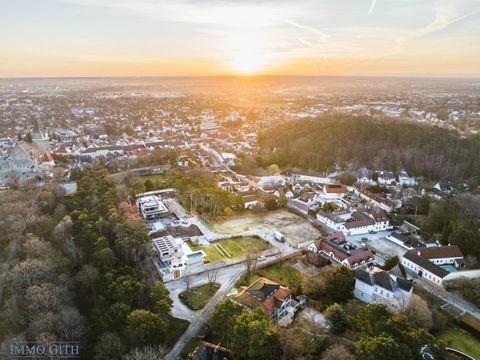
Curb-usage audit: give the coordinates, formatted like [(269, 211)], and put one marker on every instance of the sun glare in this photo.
[(248, 55), (248, 63)]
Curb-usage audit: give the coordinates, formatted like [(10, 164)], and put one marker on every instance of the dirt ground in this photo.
[(307, 269), (295, 229)]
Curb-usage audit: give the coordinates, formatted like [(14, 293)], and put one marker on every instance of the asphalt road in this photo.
[(448, 297), (227, 277)]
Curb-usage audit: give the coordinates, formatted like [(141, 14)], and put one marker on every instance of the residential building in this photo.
[(333, 191), (170, 260), (275, 300), (151, 207), (354, 223), (433, 263), (404, 179), (376, 286), (338, 250), (209, 351)]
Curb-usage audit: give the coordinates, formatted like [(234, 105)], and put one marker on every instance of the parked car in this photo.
[(262, 258)]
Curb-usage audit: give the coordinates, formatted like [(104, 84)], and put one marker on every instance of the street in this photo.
[(448, 297), (227, 277)]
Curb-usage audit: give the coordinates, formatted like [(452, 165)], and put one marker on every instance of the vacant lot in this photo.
[(282, 272), (295, 228), (230, 248), (461, 340), (196, 298)]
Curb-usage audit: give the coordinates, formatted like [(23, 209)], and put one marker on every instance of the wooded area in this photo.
[(321, 143)]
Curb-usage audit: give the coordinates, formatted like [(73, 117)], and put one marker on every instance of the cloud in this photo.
[(371, 7)]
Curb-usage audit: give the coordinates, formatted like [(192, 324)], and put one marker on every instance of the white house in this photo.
[(170, 260), (151, 207), (433, 263), (404, 179), (386, 178), (310, 198), (354, 223), (376, 286)]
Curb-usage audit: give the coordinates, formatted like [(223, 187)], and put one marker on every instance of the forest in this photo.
[(352, 142), (78, 269)]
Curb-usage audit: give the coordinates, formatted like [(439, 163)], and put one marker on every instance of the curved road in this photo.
[(227, 277)]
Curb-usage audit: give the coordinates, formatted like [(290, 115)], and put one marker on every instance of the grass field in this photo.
[(175, 330), (461, 340), (231, 248), (283, 273), (196, 298)]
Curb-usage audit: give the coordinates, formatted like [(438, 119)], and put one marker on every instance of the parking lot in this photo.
[(378, 243)]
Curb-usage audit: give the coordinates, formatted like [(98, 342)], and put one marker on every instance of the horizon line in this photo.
[(246, 76)]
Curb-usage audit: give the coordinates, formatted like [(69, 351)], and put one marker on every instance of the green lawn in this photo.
[(196, 298), (175, 329), (282, 273), (461, 340), (230, 248)]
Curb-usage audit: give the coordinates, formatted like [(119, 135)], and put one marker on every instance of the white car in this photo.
[(262, 258)]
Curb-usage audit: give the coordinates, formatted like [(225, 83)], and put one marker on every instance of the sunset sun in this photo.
[(249, 63)]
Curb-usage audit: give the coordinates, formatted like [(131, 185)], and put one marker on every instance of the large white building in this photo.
[(25, 160), (151, 207), (433, 263), (170, 261), (376, 286), (354, 223)]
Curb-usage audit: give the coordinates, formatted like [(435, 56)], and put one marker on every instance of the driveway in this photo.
[(198, 319)]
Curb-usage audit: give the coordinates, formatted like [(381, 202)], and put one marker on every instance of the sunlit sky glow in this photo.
[(218, 37)]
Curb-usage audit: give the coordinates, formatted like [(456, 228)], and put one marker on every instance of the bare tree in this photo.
[(312, 322), (336, 352), (212, 277), (251, 259), (147, 353), (30, 272), (72, 325), (419, 313), (187, 281)]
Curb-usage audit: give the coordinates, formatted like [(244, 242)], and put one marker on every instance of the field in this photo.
[(461, 340), (176, 329), (230, 248), (283, 273), (196, 298), (296, 229)]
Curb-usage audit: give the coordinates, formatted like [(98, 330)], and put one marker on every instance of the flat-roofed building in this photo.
[(170, 260), (151, 207)]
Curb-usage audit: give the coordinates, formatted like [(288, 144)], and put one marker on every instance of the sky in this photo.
[(224, 37)]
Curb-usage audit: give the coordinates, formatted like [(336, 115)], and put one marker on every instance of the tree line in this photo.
[(348, 141)]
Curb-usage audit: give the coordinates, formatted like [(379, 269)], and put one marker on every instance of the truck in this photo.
[(278, 236)]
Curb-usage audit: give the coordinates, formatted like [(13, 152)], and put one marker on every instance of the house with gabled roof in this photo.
[(376, 286), (274, 299), (338, 250), (433, 263)]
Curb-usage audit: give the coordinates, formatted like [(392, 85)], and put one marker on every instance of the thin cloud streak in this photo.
[(371, 7)]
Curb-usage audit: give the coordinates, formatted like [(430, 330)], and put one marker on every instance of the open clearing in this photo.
[(234, 247), (296, 229)]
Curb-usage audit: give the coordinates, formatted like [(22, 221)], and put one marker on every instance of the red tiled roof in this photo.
[(439, 252), (335, 188)]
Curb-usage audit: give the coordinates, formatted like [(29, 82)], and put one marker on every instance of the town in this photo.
[(228, 235)]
